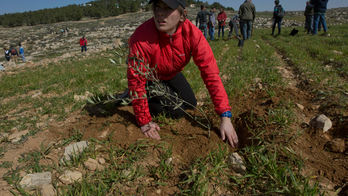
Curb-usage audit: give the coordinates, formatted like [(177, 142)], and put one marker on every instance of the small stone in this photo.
[(69, 177), (4, 137), (104, 134), (336, 145), (126, 172), (237, 163), (257, 46), (48, 190), (158, 191), (337, 52), (259, 85), (322, 122), (17, 136), (36, 94), (74, 150), (256, 80), (32, 181), (92, 165), (168, 161), (300, 106), (315, 107), (101, 161)]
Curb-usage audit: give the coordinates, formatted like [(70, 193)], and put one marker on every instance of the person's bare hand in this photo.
[(227, 132), (151, 130)]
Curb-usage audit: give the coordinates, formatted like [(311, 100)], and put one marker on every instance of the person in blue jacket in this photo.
[(21, 52), (320, 7)]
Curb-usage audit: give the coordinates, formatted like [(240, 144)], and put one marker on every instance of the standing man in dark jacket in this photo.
[(320, 7), (83, 43), (277, 8), (247, 16), (202, 18), (309, 17)]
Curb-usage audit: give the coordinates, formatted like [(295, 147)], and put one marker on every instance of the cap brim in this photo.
[(172, 4)]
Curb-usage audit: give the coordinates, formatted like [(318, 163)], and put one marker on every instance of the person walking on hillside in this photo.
[(309, 12), (212, 24), (222, 21), (166, 44), (320, 7), (21, 52), (277, 20), (234, 25), (14, 54), (7, 54), (247, 16), (202, 19), (83, 44)]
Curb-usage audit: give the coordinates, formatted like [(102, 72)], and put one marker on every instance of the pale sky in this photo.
[(10, 6)]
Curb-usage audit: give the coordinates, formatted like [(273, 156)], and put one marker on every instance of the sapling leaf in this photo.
[(113, 61), (177, 106)]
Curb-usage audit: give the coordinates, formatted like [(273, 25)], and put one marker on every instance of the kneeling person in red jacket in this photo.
[(166, 43)]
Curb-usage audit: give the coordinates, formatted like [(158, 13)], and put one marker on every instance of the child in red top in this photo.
[(83, 44), (222, 21)]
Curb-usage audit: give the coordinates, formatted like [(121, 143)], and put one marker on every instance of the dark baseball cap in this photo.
[(173, 3), (276, 1)]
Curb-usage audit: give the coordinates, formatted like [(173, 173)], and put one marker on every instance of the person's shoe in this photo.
[(326, 34)]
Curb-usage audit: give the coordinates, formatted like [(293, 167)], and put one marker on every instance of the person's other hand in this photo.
[(151, 130), (227, 132)]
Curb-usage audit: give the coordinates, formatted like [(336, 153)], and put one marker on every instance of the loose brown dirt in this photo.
[(190, 140)]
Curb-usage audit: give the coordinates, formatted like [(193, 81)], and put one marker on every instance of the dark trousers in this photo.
[(180, 89), (83, 47), (279, 22)]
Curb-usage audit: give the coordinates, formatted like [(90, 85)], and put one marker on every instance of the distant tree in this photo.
[(216, 5), (230, 8), (134, 6), (147, 7), (206, 4)]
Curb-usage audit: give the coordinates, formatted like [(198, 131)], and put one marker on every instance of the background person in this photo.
[(222, 21), (14, 54), (277, 20), (21, 52), (247, 15), (212, 24), (202, 18), (309, 12), (167, 42), (234, 25), (83, 44), (320, 7), (7, 54)]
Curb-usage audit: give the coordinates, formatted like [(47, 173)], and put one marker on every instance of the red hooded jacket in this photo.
[(222, 17), (83, 42), (171, 54)]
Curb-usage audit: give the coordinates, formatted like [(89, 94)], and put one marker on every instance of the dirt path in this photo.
[(312, 144)]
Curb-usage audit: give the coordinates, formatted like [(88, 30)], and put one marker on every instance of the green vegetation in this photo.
[(272, 165)]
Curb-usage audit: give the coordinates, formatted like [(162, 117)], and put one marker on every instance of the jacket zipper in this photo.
[(172, 55)]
